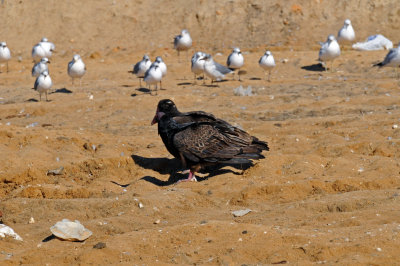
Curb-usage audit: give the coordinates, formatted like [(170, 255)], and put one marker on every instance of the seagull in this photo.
[(5, 54), (235, 60), (198, 64), (76, 69), (183, 42), (267, 62), (38, 68), (392, 59), (141, 67), (213, 69), (38, 52), (43, 83), (329, 51), (346, 34), (153, 75), (49, 47), (162, 66)]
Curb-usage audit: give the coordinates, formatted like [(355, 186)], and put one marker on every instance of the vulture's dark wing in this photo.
[(216, 142)]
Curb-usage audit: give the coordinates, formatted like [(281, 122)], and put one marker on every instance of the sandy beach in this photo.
[(328, 191)]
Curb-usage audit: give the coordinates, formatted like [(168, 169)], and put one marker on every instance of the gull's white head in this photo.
[(159, 59), (236, 50), (3, 44), (76, 57), (331, 38), (185, 32), (146, 57), (44, 60), (347, 22), (45, 73), (267, 53), (206, 57), (44, 39)]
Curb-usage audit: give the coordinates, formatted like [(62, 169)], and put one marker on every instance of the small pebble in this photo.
[(100, 245), (157, 222), (31, 221), (140, 205)]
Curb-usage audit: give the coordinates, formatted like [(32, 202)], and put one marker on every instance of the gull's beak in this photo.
[(48, 62)]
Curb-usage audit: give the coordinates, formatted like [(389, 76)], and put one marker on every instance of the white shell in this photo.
[(240, 213), (72, 231)]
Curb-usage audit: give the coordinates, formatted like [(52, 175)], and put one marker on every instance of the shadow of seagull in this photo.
[(315, 67), (32, 100), (184, 83), (144, 90), (62, 90)]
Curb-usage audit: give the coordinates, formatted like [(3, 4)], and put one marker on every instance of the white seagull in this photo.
[(162, 66), (235, 60), (76, 69), (5, 54), (346, 34), (267, 62), (197, 66), (153, 75), (392, 59), (213, 69), (43, 83), (329, 51), (38, 68), (140, 68), (49, 47), (38, 52), (183, 42)]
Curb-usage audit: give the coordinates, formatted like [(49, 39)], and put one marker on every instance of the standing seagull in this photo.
[(197, 66), (162, 66), (43, 83), (235, 60), (76, 69), (392, 59), (183, 42), (141, 67), (38, 68), (49, 47), (213, 69), (199, 139), (346, 34), (329, 51), (153, 75), (267, 62), (38, 52), (5, 54)]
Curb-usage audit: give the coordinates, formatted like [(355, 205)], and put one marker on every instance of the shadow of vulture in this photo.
[(172, 167)]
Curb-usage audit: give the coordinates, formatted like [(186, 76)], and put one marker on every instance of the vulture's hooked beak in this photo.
[(157, 117)]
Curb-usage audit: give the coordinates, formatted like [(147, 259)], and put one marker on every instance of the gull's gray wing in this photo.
[(222, 69), (393, 53)]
